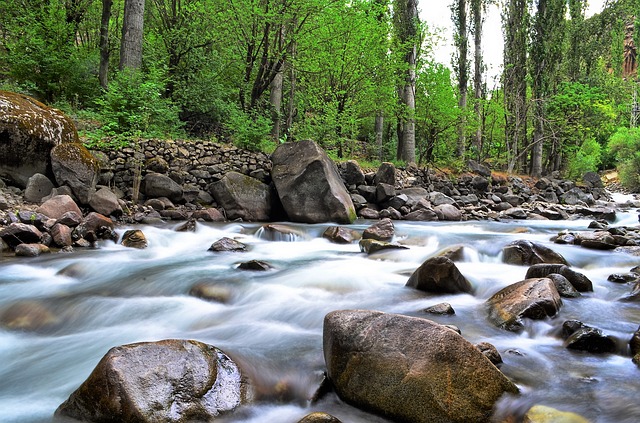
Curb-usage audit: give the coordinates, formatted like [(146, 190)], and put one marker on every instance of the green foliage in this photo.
[(624, 144), (586, 159), (250, 130), (134, 106)]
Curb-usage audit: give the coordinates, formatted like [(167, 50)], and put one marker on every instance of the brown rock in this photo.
[(74, 166), (228, 244), (341, 235), (535, 298), (20, 233), (164, 381), (528, 253), (31, 250), (319, 417), (56, 207), (439, 275), (382, 230), (134, 238), (409, 369)]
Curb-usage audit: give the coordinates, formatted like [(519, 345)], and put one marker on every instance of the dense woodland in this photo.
[(356, 76)]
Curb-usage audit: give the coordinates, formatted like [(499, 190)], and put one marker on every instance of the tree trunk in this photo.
[(103, 72), (132, 34), (460, 21), (477, 8), (379, 130), (275, 99), (406, 26)]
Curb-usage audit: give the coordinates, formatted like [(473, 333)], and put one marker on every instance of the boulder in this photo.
[(28, 132), (28, 315), (535, 298), (439, 275), (422, 215), (448, 212), (341, 235), (441, 308), (243, 197), (542, 270), (579, 336), (61, 235), (31, 250), (386, 174), (38, 187), (544, 414), (74, 166), (165, 381), (56, 206), (20, 233), (256, 265), (319, 417), (94, 226), (227, 244), (309, 186), (371, 246), (409, 369), (208, 215), (134, 238), (491, 352), (597, 240), (352, 173), (382, 230), (528, 253), (215, 293), (105, 202), (155, 185)]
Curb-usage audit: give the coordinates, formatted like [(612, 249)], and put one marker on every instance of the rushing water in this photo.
[(272, 322)]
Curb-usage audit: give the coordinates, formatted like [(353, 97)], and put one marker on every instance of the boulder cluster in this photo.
[(424, 195)]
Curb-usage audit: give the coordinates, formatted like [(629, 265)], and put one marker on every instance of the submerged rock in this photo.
[(227, 244), (409, 369), (382, 230), (165, 381), (341, 235)]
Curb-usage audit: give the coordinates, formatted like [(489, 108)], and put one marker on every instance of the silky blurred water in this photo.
[(272, 321)]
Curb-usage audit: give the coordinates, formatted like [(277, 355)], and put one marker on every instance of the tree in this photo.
[(515, 24), (546, 54), (478, 7), (461, 66), (406, 24), (132, 34), (103, 72)]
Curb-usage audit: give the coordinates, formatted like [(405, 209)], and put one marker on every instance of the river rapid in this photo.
[(272, 321)]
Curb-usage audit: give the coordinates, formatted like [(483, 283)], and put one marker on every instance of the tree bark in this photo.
[(103, 71), (379, 131), (460, 14), (477, 7), (132, 35), (275, 99), (406, 26)]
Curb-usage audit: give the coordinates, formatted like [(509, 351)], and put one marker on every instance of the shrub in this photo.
[(586, 159), (624, 144)]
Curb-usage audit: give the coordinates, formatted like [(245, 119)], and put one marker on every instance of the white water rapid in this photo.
[(272, 321)]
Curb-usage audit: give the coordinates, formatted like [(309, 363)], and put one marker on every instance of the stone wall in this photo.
[(193, 164)]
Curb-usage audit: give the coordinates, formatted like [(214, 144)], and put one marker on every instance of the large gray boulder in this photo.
[(535, 298), (38, 187), (74, 166), (409, 369), (155, 185), (164, 381), (243, 197), (28, 132), (309, 186)]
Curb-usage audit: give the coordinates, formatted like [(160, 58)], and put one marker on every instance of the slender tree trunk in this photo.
[(461, 41), (103, 72), (132, 35), (379, 131), (406, 26), (275, 98), (478, 92), (291, 108)]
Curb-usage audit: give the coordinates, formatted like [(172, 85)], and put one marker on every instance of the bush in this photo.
[(586, 159), (250, 130), (624, 144), (134, 106)]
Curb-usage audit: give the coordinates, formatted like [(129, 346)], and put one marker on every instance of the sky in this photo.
[(438, 15)]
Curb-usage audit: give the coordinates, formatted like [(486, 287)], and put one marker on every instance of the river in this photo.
[(272, 321)]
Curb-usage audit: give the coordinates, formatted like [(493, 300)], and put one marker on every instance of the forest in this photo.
[(359, 77)]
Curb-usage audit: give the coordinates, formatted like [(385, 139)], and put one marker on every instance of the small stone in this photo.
[(228, 244)]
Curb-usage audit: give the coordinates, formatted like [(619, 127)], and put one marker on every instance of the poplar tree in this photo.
[(461, 67)]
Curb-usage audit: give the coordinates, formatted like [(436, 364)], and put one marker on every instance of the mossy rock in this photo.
[(28, 132)]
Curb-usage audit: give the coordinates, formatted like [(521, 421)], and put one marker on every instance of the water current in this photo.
[(271, 322)]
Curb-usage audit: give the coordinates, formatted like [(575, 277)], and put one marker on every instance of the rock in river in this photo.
[(409, 369), (165, 381)]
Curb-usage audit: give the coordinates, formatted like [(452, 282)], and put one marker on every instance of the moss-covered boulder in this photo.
[(243, 197), (74, 166), (28, 132)]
